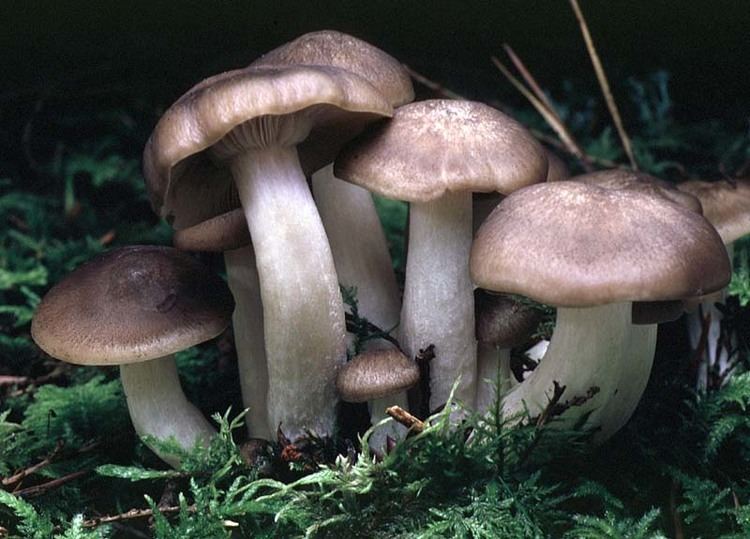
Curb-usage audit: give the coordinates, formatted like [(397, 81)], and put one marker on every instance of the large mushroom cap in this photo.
[(131, 304), (332, 48), (375, 374), (434, 147), (638, 181), (571, 244), (255, 107), (726, 204)]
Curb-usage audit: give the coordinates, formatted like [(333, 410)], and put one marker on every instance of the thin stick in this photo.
[(565, 135), (131, 515), (432, 85), (604, 84), (549, 116), (49, 485), (409, 421)]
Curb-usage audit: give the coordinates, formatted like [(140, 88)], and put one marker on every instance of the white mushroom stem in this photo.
[(493, 375), (303, 312), (635, 370), (586, 351), (360, 254), (247, 321), (715, 354), (438, 295), (159, 408)]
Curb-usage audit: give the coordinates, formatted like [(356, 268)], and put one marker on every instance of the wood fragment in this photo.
[(412, 423)]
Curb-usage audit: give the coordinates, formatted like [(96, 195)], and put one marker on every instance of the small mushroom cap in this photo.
[(224, 232), (638, 181), (726, 204), (435, 147), (332, 48), (256, 107), (504, 321), (374, 374), (129, 305), (571, 244), (656, 312)]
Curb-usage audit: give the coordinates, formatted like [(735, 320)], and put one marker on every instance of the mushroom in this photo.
[(250, 122), (358, 244), (502, 323), (592, 252), (135, 307), (726, 204), (377, 376), (434, 154)]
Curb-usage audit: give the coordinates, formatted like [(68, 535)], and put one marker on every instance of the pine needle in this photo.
[(604, 84)]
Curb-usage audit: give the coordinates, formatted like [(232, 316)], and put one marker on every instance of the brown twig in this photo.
[(412, 423), (17, 477), (557, 393), (42, 488), (132, 514), (549, 116), (604, 84), (432, 85), (559, 126)]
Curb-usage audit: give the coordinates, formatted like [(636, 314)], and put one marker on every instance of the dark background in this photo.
[(159, 49)]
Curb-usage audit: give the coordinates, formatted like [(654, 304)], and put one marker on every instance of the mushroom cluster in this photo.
[(275, 164)]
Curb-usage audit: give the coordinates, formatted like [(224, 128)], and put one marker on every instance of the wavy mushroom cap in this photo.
[(375, 374), (131, 304), (639, 181), (572, 244), (435, 147), (726, 204), (246, 108)]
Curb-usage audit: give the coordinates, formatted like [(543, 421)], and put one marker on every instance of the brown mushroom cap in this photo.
[(558, 170), (332, 48), (504, 321), (224, 232), (434, 147), (639, 181), (571, 244), (375, 374), (726, 204), (129, 305), (258, 106)]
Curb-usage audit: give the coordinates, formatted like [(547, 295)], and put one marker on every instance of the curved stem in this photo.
[(584, 354), (360, 253), (247, 321), (303, 312), (438, 295), (159, 408)]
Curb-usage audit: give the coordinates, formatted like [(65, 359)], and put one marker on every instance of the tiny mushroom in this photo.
[(135, 307), (434, 154), (249, 122), (376, 376), (591, 252)]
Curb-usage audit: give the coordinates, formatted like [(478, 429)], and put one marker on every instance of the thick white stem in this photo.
[(360, 253), (303, 313), (635, 370), (493, 375), (247, 321), (585, 352), (716, 353), (159, 408), (438, 295)]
